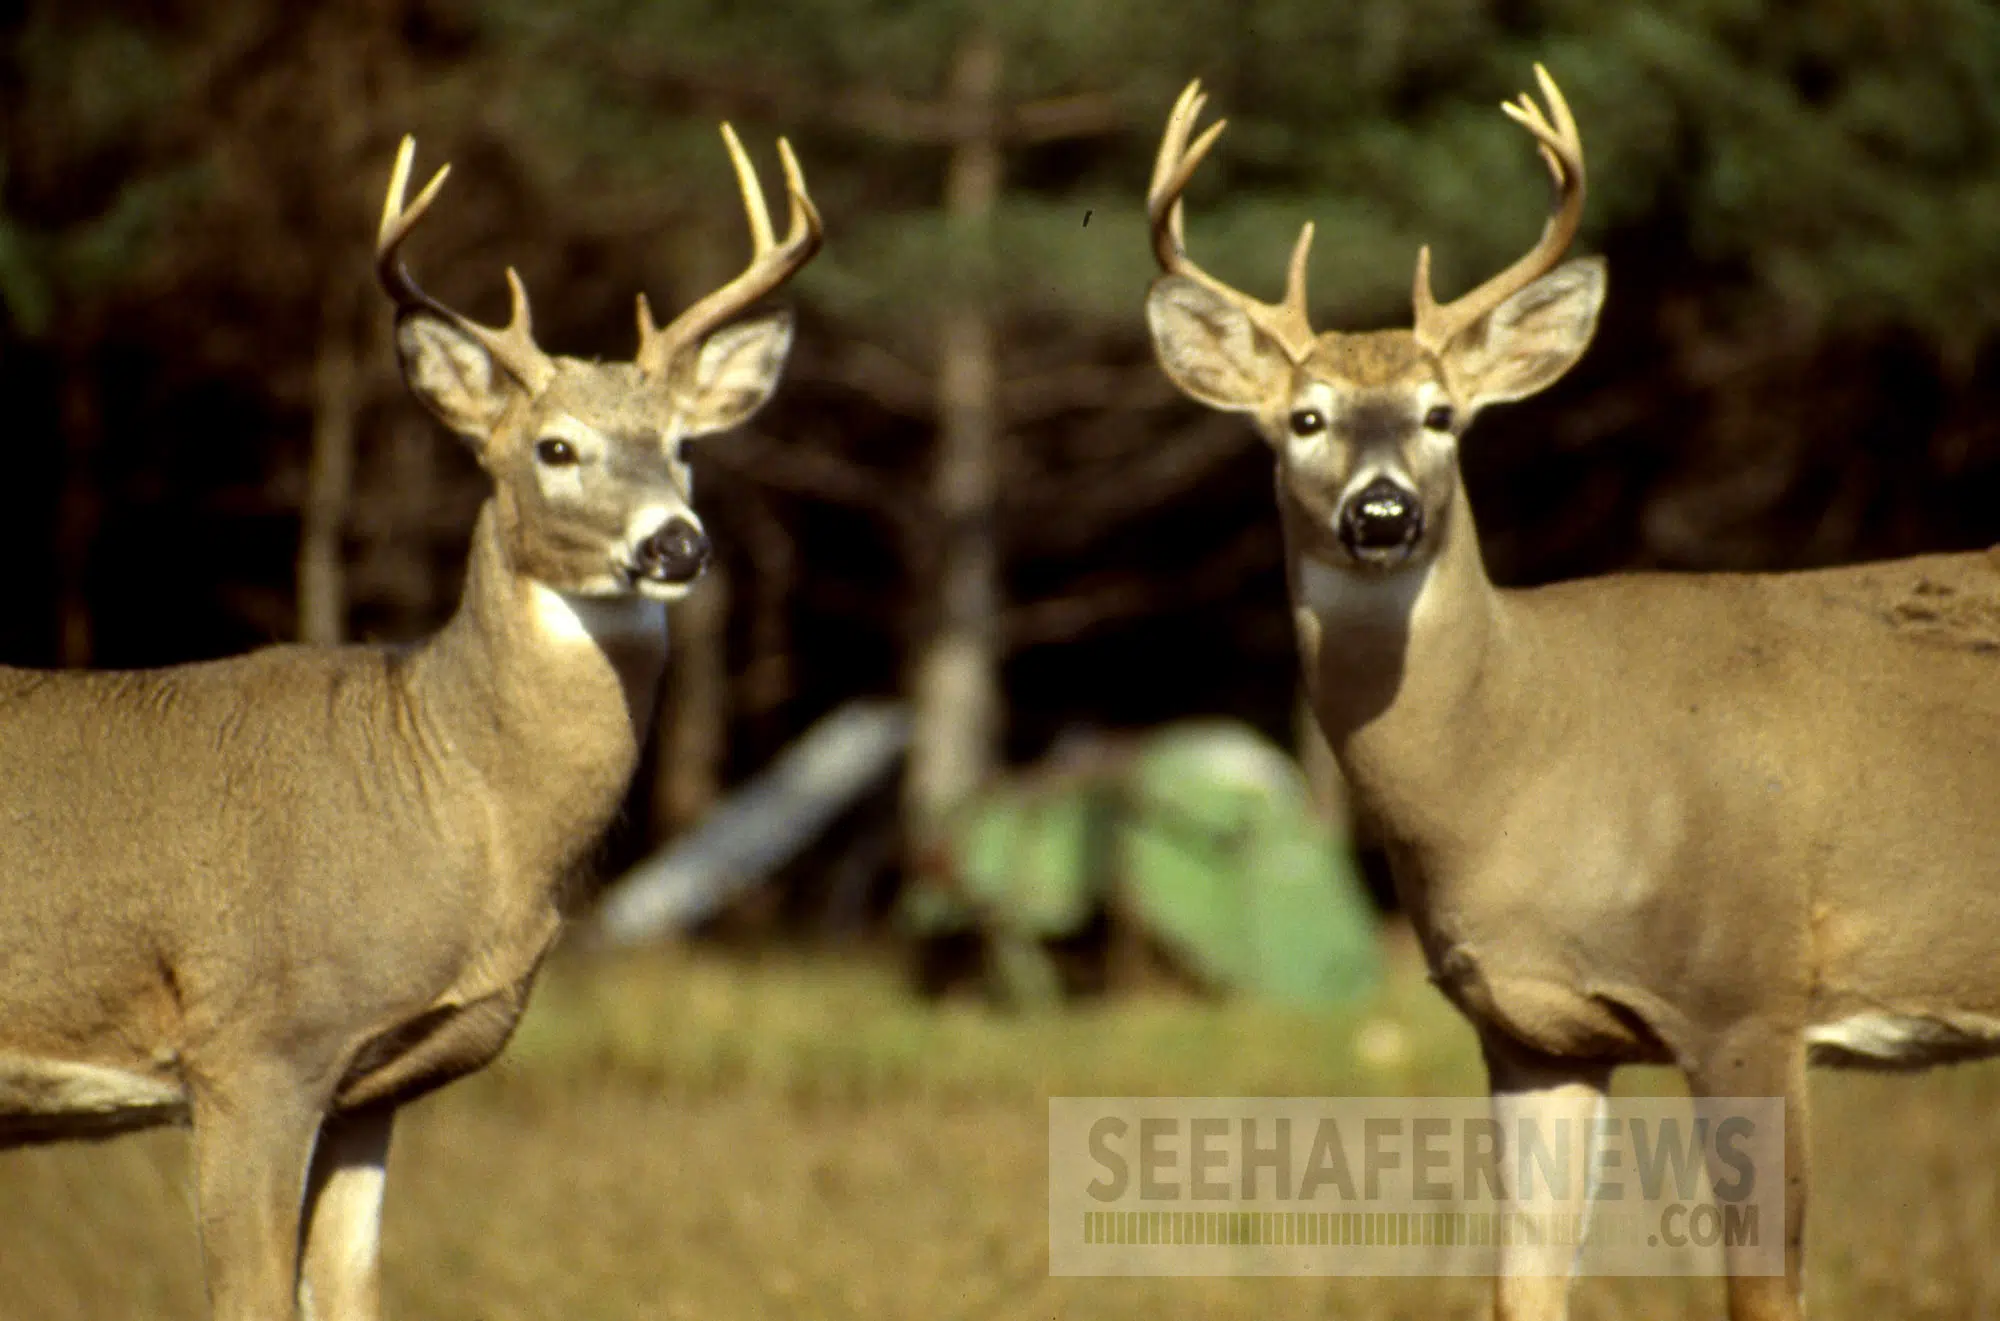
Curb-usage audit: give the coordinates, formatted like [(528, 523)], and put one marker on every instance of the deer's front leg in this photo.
[(1756, 1061), (341, 1278), (253, 1138), (1560, 1101)]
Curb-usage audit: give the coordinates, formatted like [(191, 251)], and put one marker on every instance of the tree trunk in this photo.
[(956, 715), (322, 566), (79, 513), (694, 725)]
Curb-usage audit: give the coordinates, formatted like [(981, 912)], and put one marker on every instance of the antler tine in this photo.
[(397, 222), (771, 262), (1171, 172), (1295, 274), (1285, 322), (1561, 150), (753, 192), (1174, 156), (514, 346)]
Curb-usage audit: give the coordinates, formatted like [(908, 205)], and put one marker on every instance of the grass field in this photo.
[(687, 1136)]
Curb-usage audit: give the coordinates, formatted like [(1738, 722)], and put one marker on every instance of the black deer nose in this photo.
[(1380, 521), (677, 553)]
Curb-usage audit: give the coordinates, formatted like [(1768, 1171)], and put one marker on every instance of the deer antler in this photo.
[(1285, 322), (1562, 152), (514, 347), (771, 264)]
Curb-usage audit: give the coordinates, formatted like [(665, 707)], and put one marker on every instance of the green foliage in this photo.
[(101, 84), (40, 270), (24, 279), (1845, 155), (1800, 200), (103, 78)]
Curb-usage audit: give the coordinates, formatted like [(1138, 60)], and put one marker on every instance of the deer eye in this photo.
[(1308, 422), (555, 452), (1439, 418)]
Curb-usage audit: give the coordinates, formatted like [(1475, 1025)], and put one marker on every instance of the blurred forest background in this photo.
[(975, 490), (975, 494)]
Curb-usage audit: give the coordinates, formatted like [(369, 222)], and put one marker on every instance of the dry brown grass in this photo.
[(689, 1138)]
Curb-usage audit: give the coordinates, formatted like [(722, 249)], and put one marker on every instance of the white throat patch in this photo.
[(1339, 595), (596, 620)]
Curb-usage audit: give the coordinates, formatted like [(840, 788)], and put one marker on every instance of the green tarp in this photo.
[(1206, 838)]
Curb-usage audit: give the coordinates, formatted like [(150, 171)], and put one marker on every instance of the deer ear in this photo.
[(453, 375), (1525, 345), (736, 371), (1210, 349)]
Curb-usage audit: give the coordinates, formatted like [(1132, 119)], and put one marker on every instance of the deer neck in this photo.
[(546, 697), (1407, 671)]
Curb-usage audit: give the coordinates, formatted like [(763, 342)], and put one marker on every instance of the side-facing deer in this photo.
[(1727, 822), (279, 895)]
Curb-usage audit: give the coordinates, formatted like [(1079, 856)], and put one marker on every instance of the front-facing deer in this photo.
[(1720, 821), (281, 894)]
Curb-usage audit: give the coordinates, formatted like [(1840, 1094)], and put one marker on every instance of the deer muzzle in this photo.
[(675, 554), (1381, 523)]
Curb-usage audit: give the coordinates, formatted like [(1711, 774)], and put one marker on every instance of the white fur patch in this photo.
[(1338, 594), (1552, 1111), (30, 1086), (1594, 1171), (648, 519), (357, 1214), (595, 620), (346, 1232), (566, 480), (1907, 1038)]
